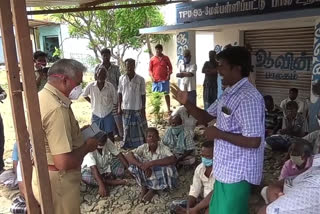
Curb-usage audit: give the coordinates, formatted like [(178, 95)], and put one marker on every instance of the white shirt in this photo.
[(298, 101), (188, 83), (188, 121), (102, 102), (145, 154), (131, 92), (301, 194), (103, 160), (201, 182), (314, 139)]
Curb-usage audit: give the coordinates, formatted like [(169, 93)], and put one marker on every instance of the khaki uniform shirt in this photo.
[(62, 135), (61, 129)]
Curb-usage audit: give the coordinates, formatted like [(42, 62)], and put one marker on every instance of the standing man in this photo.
[(40, 60), (63, 139), (238, 135), (187, 77), (103, 98), (160, 69), (3, 95), (210, 85), (113, 76), (132, 106), (293, 96)]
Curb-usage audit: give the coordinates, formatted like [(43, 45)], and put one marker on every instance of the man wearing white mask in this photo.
[(201, 189), (63, 140)]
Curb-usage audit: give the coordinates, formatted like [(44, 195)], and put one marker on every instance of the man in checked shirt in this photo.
[(238, 135)]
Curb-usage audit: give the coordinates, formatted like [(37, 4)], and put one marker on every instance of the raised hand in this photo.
[(180, 96)]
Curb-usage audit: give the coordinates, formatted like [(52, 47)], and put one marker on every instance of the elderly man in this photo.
[(238, 135), (64, 143), (187, 77)]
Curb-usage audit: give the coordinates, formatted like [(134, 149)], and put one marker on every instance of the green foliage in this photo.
[(116, 29), (156, 102), (84, 84), (57, 52)]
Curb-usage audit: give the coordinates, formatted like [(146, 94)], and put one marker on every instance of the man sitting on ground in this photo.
[(102, 166), (300, 161), (314, 138), (298, 195), (274, 116), (179, 141), (188, 121), (19, 202), (203, 181), (152, 165), (8, 178), (292, 127)]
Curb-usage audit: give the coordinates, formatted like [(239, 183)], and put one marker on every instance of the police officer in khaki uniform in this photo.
[(64, 143)]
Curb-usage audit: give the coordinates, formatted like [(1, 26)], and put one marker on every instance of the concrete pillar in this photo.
[(186, 40), (315, 100)]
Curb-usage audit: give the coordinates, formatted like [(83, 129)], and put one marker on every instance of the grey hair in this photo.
[(68, 67)]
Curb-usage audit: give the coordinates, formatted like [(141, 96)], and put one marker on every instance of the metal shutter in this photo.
[(274, 80)]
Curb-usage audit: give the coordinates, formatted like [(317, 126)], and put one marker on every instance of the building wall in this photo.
[(315, 100), (204, 43), (229, 36), (77, 49), (2, 51), (52, 30)]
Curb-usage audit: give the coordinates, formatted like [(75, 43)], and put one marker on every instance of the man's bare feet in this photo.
[(144, 191), (149, 195)]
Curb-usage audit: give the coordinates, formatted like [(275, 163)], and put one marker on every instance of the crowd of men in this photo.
[(245, 124)]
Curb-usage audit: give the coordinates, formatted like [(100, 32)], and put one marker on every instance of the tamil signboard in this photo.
[(202, 10)]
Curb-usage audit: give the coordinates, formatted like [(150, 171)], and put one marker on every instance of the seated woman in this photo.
[(180, 142), (292, 127), (152, 165), (301, 160), (103, 167)]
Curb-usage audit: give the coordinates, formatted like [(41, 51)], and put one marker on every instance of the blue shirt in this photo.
[(15, 154), (239, 110)]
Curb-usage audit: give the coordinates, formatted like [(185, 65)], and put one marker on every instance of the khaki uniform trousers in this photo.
[(65, 187)]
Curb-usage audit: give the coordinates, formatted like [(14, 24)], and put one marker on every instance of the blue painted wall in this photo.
[(315, 105), (52, 30)]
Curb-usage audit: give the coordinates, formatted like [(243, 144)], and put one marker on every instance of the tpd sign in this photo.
[(201, 10)]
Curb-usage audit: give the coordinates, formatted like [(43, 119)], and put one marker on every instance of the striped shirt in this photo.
[(239, 110)]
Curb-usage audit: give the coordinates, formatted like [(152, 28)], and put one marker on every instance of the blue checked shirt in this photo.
[(239, 110)]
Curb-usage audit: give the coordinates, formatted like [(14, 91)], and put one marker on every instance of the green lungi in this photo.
[(230, 198)]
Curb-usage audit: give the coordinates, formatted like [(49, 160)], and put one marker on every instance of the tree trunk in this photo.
[(149, 46)]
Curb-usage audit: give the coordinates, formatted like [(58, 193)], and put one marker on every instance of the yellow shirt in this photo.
[(61, 129)]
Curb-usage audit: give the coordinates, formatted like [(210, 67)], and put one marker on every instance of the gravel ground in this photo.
[(124, 199)]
